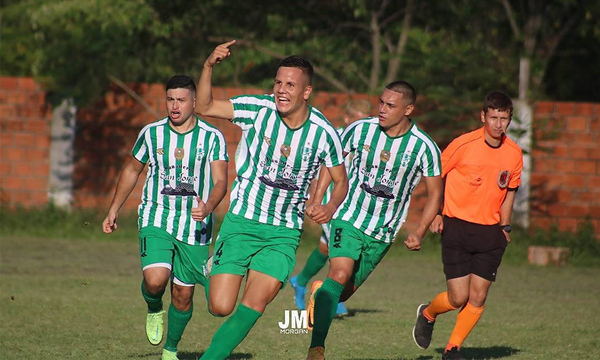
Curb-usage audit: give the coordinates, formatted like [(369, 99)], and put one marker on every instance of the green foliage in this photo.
[(583, 244)]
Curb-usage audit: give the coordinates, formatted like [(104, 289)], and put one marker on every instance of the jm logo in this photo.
[(294, 322)]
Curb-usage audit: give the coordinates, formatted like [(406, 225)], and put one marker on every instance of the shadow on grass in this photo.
[(184, 355), (493, 352), (353, 312)]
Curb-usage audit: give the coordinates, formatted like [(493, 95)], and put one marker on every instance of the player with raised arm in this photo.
[(284, 144)]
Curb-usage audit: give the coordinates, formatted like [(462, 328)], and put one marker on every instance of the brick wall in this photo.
[(565, 179), (24, 142), (565, 174)]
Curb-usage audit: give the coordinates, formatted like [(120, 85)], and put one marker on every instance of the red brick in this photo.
[(588, 197), (23, 139), (3, 96), (593, 182), (8, 110), (585, 109), (544, 108), (8, 83), (584, 167), (6, 139), (27, 83), (595, 125), (567, 224), (577, 210), (20, 197), (564, 196), (36, 126), (557, 210), (37, 155), (21, 168), (545, 166), (12, 182), (14, 154), (4, 168), (540, 179), (593, 153), (540, 222), (559, 150), (564, 108), (578, 152), (582, 138), (25, 111), (574, 181), (595, 212), (36, 184), (564, 166), (577, 123)]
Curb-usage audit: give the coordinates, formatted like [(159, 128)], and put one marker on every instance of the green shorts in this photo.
[(245, 244), (366, 251), (160, 249)]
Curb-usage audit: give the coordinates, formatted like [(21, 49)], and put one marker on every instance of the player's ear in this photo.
[(409, 109), (307, 92), (482, 116)]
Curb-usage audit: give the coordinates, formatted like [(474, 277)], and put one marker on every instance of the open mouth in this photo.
[(175, 114)]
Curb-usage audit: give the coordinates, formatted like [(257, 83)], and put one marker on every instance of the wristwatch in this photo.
[(506, 228)]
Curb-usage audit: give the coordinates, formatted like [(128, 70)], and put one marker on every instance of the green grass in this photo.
[(79, 299)]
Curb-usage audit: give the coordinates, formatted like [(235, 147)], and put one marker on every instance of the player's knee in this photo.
[(457, 300), (477, 298), (340, 276), (155, 286), (219, 310), (182, 300)]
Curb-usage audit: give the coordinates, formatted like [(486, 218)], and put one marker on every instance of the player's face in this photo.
[(180, 105), (291, 90), (495, 123), (393, 109)]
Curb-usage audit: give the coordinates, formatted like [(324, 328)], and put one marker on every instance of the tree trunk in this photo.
[(402, 40), (60, 184)]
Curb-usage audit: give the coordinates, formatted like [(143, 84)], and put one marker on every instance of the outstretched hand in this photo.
[(220, 53)]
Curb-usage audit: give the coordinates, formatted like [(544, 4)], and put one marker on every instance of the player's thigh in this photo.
[(223, 293), (189, 264), (275, 252), (373, 251), (260, 290), (156, 249)]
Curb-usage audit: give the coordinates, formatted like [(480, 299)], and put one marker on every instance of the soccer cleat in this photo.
[(311, 306), (423, 328), (169, 355), (299, 293), (341, 310), (316, 353), (154, 327), (453, 354)]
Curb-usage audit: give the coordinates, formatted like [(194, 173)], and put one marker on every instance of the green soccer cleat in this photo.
[(169, 355), (154, 327)]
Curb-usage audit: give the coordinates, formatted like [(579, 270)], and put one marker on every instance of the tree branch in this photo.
[(134, 95), (394, 64), (511, 18)]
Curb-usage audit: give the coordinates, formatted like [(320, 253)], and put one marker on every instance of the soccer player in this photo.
[(284, 144), (482, 171), (186, 180), (354, 109), (391, 154)]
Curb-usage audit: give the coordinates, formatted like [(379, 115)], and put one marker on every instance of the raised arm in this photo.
[(129, 177), (205, 104), (432, 205)]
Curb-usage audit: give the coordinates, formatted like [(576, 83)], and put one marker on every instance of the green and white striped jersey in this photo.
[(276, 164), (383, 175), (178, 171)]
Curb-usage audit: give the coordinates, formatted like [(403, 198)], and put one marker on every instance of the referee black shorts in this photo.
[(469, 248)]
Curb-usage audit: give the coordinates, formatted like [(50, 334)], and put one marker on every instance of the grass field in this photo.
[(79, 299)]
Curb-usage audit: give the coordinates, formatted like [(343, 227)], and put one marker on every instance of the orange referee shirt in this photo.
[(478, 177)]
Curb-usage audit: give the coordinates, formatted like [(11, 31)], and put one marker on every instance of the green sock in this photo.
[(154, 302), (231, 333), (315, 262), (177, 321), (326, 300)]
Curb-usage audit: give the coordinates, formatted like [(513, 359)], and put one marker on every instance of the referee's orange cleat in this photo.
[(311, 304)]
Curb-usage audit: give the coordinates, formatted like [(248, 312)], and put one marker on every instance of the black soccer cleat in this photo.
[(453, 354), (423, 329)]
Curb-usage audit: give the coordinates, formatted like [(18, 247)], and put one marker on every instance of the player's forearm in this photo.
[(432, 204), (339, 192), (216, 195), (322, 184), (507, 207), (125, 186), (204, 99)]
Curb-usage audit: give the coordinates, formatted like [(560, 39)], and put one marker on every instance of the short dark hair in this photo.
[(405, 88), (181, 82), (497, 100), (297, 61)]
